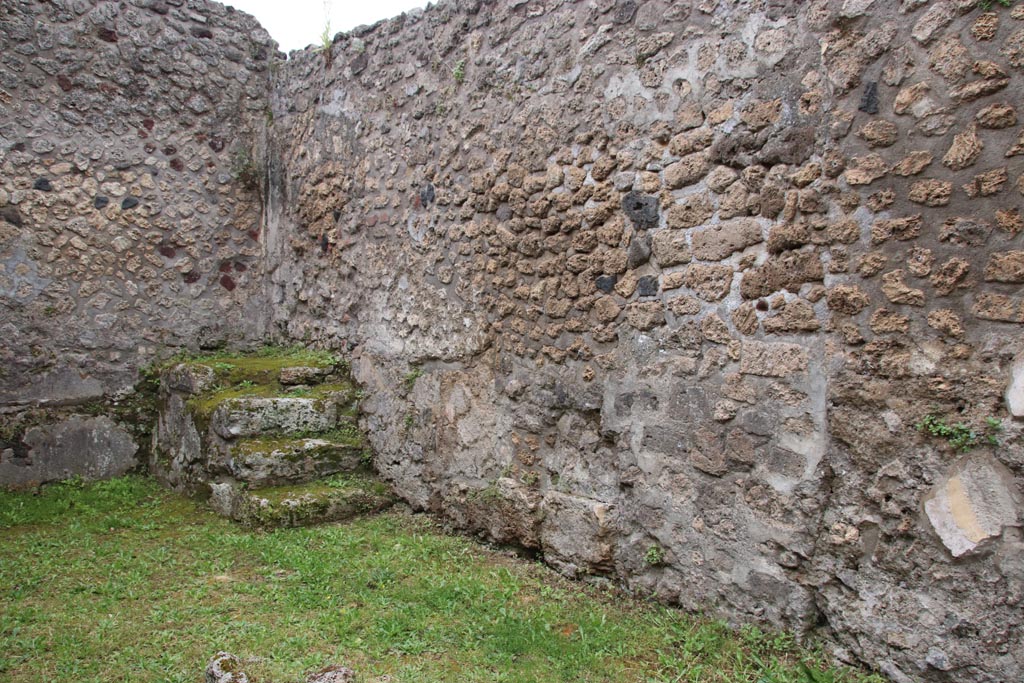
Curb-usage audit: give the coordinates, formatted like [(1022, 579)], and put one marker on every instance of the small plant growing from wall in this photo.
[(960, 436), (987, 4), (245, 170), (459, 71), (655, 556), (326, 43)]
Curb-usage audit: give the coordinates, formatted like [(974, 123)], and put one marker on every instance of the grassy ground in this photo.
[(121, 581)]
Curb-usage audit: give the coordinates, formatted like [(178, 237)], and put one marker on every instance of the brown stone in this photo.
[(760, 113), (736, 201), (645, 315), (986, 184), (965, 150), (606, 309), (716, 242), (847, 299), (879, 133), (920, 261), (913, 163), (931, 192), (902, 229), (937, 17), (690, 212), (785, 271), (1006, 266), (806, 174), (684, 305), (950, 59), (997, 116), (691, 141), (897, 291), (774, 359), (947, 322), (865, 170), (793, 316), (990, 306), (626, 285), (884, 321), (744, 318), (708, 281), (786, 236), (977, 89), (714, 329), (843, 231), (720, 178), (907, 97), (1018, 147), (670, 248), (949, 275), (985, 26), (1009, 220), (687, 170)]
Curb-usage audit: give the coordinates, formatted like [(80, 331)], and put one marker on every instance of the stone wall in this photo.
[(129, 201), (661, 290)]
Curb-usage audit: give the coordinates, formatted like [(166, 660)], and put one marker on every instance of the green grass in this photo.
[(121, 581)]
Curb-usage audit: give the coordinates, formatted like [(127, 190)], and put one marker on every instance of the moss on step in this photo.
[(330, 500), (344, 393)]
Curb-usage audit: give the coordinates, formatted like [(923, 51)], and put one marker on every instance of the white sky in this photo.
[(294, 24)]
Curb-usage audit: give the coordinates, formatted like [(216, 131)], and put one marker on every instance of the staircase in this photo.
[(271, 438)]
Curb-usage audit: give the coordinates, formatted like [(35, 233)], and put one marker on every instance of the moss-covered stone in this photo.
[(332, 500)]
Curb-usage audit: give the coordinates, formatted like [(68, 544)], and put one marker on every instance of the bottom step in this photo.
[(335, 499)]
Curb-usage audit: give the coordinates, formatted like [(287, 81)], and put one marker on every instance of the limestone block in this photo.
[(1015, 390), (188, 378), (972, 504), (87, 447), (303, 375), (242, 417), (575, 533)]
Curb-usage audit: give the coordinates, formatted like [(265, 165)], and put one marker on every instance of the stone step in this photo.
[(236, 418), (336, 499), (277, 460)]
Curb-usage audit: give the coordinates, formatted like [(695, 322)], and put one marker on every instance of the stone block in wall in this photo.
[(86, 447), (1015, 390), (972, 504), (576, 533)]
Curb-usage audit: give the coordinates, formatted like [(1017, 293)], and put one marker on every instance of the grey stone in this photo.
[(1015, 389), (225, 668), (244, 417), (86, 447)]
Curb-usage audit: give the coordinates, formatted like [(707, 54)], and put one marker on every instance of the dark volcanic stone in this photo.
[(11, 215), (639, 251), (869, 100), (642, 209), (100, 201), (427, 194), (606, 283), (129, 203), (106, 34), (648, 285), (359, 64), (43, 185)]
